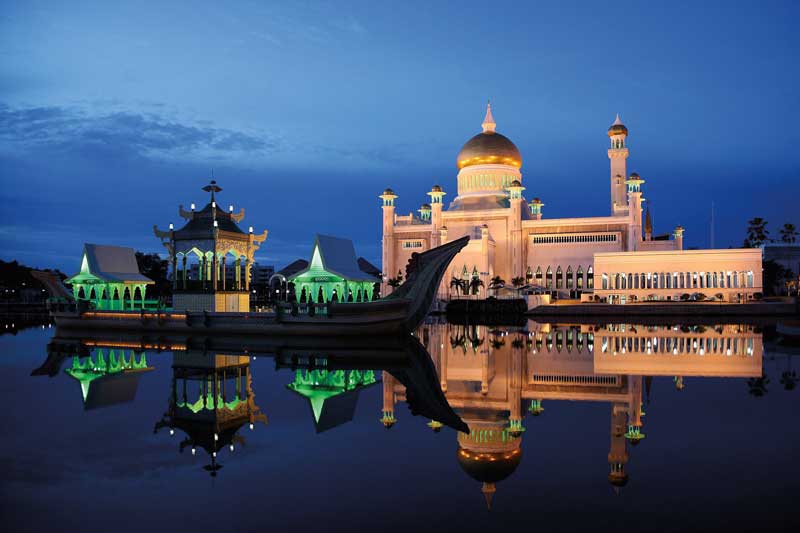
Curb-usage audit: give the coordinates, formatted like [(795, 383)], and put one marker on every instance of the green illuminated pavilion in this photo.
[(333, 274), (109, 278), (108, 378), (332, 394)]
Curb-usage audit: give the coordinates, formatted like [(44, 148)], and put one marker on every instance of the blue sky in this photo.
[(113, 113)]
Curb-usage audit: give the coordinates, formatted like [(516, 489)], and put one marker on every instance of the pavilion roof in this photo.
[(111, 264), (202, 223)]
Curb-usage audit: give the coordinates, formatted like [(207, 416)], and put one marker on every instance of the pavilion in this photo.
[(332, 394), (211, 399), (109, 278), (109, 378), (333, 274), (211, 236)]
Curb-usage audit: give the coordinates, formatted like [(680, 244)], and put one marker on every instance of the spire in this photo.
[(648, 222), (489, 124), (488, 490), (617, 122)]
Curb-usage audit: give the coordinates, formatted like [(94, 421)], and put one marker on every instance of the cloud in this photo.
[(137, 134)]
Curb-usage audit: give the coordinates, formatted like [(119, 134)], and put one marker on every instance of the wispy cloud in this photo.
[(143, 134)]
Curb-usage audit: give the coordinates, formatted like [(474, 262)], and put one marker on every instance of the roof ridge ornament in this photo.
[(489, 125), (212, 188)]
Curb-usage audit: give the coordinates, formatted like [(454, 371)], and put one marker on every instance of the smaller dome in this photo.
[(516, 183), (617, 128), (388, 192), (425, 207), (436, 188), (634, 176), (618, 479)]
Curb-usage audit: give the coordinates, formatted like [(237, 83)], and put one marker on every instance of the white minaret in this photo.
[(618, 154)]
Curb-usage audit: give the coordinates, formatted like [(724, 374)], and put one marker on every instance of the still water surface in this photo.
[(571, 427)]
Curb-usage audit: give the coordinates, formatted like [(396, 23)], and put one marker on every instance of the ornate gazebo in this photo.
[(212, 240)]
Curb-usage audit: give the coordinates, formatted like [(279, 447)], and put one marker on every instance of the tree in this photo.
[(789, 233), (396, 282), (475, 284), (157, 269), (496, 284), (757, 233), (459, 285)]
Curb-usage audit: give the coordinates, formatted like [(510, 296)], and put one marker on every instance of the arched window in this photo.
[(570, 279), (539, 276), (579, 277), (528, 275), (590, 278), (549, 278), (604, 281), (559, 278)]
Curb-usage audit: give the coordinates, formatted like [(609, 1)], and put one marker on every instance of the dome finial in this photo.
[(488, 490), (618, 121), (488, 121)]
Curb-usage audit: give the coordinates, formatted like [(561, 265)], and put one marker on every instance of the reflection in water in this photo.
[(481, 381), (211, 399), (489, 375)]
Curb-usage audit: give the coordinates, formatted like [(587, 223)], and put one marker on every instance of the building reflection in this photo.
[(211, 399), (492, 376)]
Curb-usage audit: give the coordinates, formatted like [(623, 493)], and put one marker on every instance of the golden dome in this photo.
[(489, 467), (617, 128), (489, 148)]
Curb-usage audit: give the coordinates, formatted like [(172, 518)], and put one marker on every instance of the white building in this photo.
[(511, 238)]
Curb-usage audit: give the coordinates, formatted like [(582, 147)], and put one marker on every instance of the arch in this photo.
[(570, 277), (539, 276), (559, 278), (579, 278), (590, 277), (549, 278)]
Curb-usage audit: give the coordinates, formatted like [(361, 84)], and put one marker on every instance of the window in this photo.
[(575, 238), (412, 244), (579, 277), (570, 281), (549, 278), (559, 278), (604, 282), (590, 278), (539, 276)]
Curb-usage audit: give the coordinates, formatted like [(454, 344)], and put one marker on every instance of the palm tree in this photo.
[(518, 282), (459, 284), (397, 281), (475, 284), (789, 233), (496, 284), (757, 233)]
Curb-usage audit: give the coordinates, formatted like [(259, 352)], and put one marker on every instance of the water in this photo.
[(719, 454)]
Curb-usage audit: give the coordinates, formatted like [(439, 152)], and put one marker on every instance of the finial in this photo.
[(488, 490), (617, 122), (489, 124)]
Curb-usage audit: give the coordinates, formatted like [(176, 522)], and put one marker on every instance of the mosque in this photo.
[(511, 238), (493, 378)]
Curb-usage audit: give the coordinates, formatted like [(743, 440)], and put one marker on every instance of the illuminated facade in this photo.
[(494, 378), (510, 237), (211, 238)]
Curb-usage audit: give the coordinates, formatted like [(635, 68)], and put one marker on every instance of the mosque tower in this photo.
[(618, 453), (618, 154)]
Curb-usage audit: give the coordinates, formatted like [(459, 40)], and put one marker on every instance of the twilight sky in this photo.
[(113, 113)]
